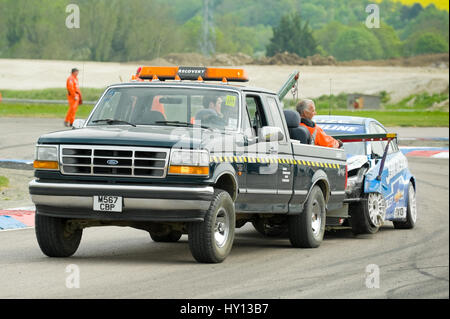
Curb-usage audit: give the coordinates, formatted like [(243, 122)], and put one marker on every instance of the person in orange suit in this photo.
[(307, 110), (73, 97)]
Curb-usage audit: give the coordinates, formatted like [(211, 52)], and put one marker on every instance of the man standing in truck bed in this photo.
[(307, 110), (73, 97)]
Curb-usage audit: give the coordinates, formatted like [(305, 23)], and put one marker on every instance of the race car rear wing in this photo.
[(348, 138)]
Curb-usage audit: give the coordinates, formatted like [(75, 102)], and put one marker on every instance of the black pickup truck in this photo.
[(186, 157)]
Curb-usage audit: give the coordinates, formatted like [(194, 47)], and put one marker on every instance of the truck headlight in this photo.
[(189, 162), (46, 157)]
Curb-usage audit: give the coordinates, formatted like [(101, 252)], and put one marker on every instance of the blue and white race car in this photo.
[(380, 186)]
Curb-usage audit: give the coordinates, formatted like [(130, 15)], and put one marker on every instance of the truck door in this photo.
[(262, 167), (285, 174)]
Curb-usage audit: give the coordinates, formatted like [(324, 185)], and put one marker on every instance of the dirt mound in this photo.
[(195, 59), (231, 59), (287, 58), (440, 60), (187, 59)]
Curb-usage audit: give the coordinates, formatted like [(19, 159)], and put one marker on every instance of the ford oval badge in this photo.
[(112, 162)]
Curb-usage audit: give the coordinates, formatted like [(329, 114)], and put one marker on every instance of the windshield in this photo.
[(353, 148), (136, 106)]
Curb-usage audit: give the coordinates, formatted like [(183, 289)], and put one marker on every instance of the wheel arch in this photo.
[(227, 181), (320, 179)]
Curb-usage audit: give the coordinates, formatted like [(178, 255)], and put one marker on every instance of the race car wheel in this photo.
[(211, 241), (369, 215), (307, 229), (411, 211), (55, 236), (268, 230), (170, 237)]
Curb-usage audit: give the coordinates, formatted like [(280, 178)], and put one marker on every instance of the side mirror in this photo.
[(77, 124), (270, 134)]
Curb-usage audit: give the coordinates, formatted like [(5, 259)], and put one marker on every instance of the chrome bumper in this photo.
[(159, 198)]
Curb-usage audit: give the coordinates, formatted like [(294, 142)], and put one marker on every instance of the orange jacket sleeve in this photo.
[(322, 139)]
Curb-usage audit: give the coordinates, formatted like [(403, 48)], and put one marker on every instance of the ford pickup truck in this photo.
[(175, 154)]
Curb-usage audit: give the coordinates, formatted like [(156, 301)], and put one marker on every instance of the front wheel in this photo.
[(411, 211), (307, 229), (368, 215), (55, 236), (211, 241)]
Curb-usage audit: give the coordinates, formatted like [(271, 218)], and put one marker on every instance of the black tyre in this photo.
[(269, 230), (170, 237), (211, 241), (307, 229), (367, 216), (54, 237), (411, 211)]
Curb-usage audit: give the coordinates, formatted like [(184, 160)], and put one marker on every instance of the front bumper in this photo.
[(140, 203)]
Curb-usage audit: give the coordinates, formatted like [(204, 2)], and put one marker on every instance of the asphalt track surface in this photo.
[(116, 262)]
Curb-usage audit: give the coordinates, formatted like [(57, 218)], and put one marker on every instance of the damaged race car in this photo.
[(380, 186)]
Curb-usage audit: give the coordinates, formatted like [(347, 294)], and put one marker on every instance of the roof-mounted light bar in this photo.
[(163, 73)]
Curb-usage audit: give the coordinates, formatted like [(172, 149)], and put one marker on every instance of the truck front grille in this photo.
[(114, 161)]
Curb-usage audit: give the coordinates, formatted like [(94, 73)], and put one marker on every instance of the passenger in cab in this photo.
[(307, 110)]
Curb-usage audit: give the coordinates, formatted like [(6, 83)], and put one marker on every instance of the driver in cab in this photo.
[(212, 112)]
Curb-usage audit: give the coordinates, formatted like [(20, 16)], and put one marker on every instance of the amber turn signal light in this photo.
[(189, 170), (45, 165)]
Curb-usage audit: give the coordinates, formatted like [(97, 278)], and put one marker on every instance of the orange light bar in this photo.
[(45, 165), (218, 74), (161, 72), (189, 170), (193, 73)]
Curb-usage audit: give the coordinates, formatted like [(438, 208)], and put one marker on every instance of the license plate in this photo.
[(108, 203)]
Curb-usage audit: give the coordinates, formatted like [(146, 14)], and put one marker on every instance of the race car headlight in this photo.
[(46, 157), (189, 162)]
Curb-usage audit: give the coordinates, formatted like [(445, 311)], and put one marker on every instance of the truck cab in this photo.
[(175, 154)]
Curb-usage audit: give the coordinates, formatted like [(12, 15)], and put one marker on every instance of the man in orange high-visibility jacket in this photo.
[(73, 97), (307, 110)]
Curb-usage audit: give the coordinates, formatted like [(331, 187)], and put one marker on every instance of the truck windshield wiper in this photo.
[(179, 123), (111, 122)]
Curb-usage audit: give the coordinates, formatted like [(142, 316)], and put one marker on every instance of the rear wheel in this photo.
[(411, 211), (211, 241), (55, 236), (307, 229), (368, 215)]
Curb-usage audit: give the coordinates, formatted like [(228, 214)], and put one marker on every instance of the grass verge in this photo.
[(4, 182), (386, 117), (41, 110), (89, 94), (399, 118)]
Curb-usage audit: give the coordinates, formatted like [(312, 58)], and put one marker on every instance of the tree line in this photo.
[(120, 30)]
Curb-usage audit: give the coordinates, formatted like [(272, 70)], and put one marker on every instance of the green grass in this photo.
[(4, 182), (399, 118), (41, 110), (89, 94), (421, 101)]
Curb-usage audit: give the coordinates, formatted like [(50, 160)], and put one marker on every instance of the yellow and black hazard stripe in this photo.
[(271, 160)]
